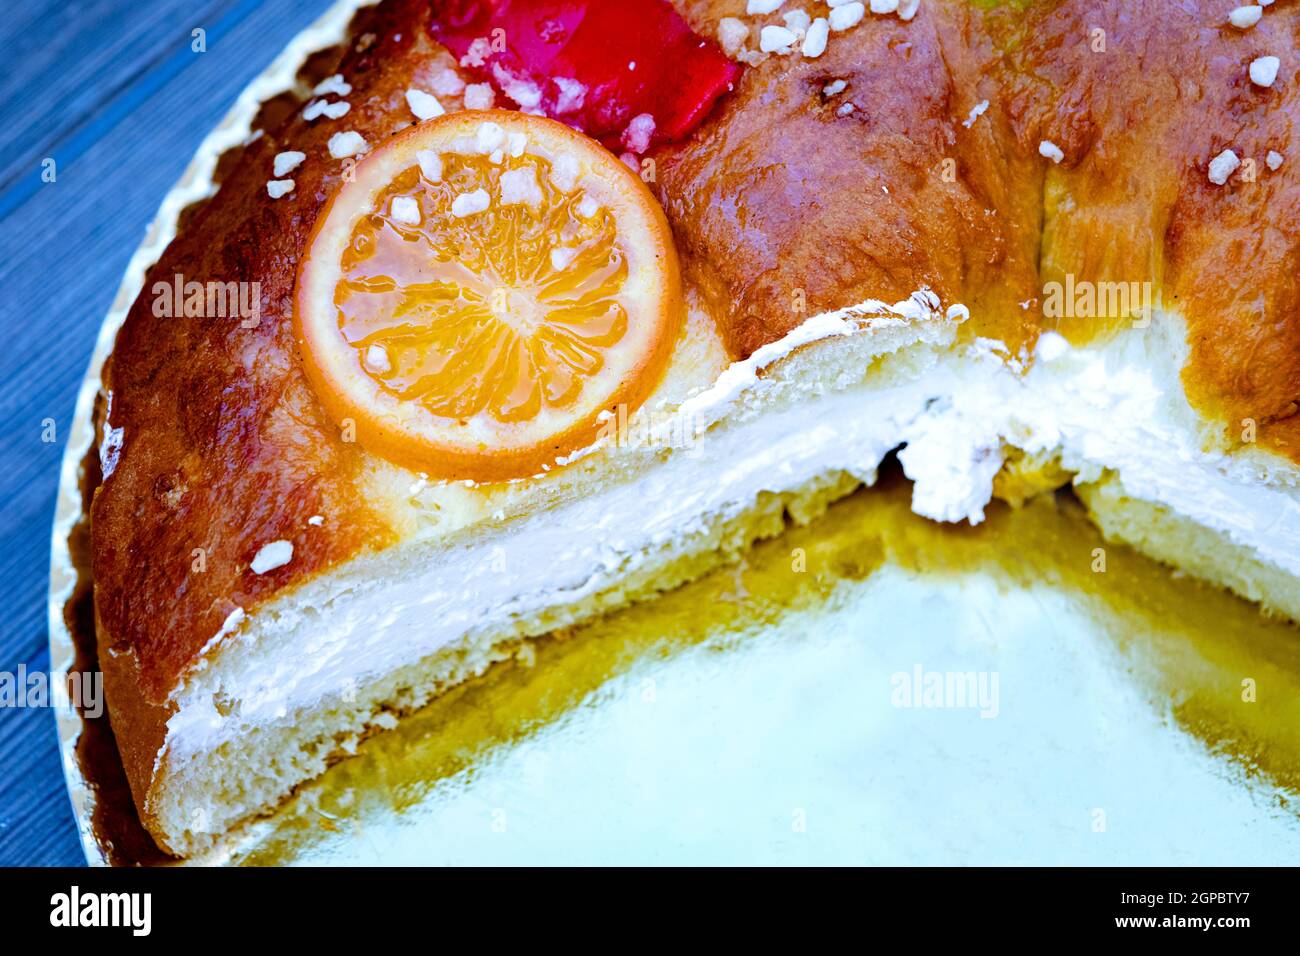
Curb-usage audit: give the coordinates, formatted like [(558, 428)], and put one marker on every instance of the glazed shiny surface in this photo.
[(783, 204), (792, 200), (447, 295), (483, 341)]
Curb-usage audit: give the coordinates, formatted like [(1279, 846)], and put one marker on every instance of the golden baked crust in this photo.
[(1139, 126), (226, 447), (786, 206), (781, 192)]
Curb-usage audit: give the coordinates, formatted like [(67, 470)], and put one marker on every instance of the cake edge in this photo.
[(196, 184)]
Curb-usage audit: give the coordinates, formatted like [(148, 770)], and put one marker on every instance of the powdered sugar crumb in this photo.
[(287, 162), (406, 209), (333, 84), (274, 555), (424, 105), (479, 96), (638, 133), (571, 95), (348, 143), (520, 187), (1050, 150), (975, 113), (1223, 166), (467, 204), (430, 165)]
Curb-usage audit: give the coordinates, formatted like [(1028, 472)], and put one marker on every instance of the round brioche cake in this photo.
[(482, 319)]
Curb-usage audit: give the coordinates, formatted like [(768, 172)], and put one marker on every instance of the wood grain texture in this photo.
[(111, 90)]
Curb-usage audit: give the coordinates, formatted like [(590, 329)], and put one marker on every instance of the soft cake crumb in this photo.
[(638, 133), (1263, 70), (406, 209), (447, 82), (430, 165), (423, 105), (274, 555), (760, 7), (849, 15), (520, 187), (814, 43), (1273, 160), (976, 112), (377, 359), (1050, 150), (774, 39), (1223, 166), (287, 162), (1243, 18), (732, 34), (333, 84), (467, 204), (479, 96), (348, 143), (588, 207), (276, 188)]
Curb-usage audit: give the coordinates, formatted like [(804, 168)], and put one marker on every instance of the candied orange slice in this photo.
[(486, 285)]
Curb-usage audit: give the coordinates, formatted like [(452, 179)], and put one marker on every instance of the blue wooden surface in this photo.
[(111, 90)]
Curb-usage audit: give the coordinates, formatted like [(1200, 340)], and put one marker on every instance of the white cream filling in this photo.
[(1119, 407), (550, 559)]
